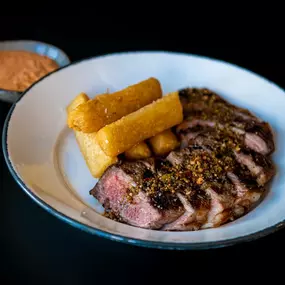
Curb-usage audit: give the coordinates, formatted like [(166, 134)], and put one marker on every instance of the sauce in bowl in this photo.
[(20, 69)]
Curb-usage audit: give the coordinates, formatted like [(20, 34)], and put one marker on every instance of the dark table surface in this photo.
[(37, 248)]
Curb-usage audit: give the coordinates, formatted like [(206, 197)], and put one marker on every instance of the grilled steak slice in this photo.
[(254, 141), (215, 185), (177, 158), (259, 165), (247, 196), (205, 108), (197, 101), (247, 170), (231, 185), (194, 191), (193, 218), (263, 131), (204, 216), (113, 192), (220, 209)]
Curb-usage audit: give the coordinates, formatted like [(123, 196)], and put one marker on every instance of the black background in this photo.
[(37, 248)]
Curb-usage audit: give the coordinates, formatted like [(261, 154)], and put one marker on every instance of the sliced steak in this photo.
[(185, 221), (220, 212), (254, 141), (112, 191), (177, 158), (214, 185), (263, 131), (259, 165), (190, 134), (248, 171), (195, 214), (232, 185), (196, 101), (248, 194), (205, 108)]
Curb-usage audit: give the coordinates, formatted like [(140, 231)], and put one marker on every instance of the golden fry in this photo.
[(164, 142), (139, 151), (107, 108), (96, 160), (146, 122), (78, 100)]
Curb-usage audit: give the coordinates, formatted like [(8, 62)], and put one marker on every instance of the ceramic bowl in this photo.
[(43, 157), (33, 46)]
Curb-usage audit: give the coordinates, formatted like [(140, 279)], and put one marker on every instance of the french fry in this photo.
[(163, 142), (96, 160), (139, 151), (104, 109), (78, 100), (142, 124)]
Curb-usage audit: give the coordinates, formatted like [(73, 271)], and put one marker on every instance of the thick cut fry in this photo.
[(107, 108), (139, 151), (140, 125), (96, 160), (163, 142), (78, 100)]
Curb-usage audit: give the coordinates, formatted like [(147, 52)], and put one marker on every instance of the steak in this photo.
[(192, 219), (260, 166), (113, 191), (218, 175), (252, 140), (203, 107), (203, 100)]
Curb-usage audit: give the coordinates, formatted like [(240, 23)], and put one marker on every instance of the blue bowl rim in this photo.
[(115, 237)]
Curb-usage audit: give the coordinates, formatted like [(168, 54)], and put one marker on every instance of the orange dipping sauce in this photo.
[(20, 69)]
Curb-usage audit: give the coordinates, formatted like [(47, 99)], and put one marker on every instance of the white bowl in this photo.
[(44, 158)]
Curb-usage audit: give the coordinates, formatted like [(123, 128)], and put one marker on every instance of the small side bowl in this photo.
[(41, 48)]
